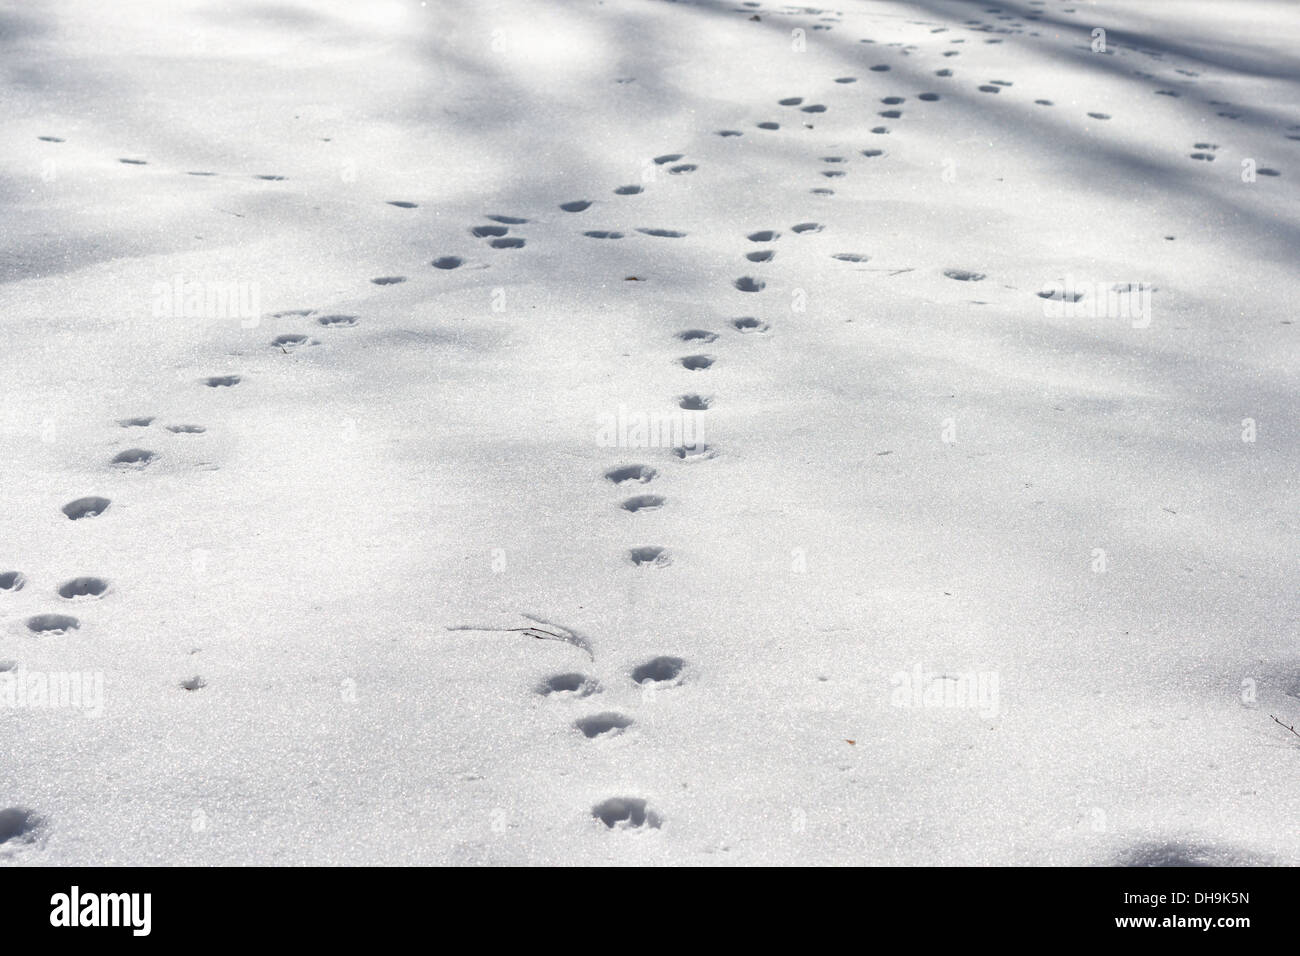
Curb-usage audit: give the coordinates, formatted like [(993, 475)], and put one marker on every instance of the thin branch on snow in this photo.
[(1288, 727), (537, 633)]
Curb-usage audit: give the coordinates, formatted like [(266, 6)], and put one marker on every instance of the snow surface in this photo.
[(907, 474)]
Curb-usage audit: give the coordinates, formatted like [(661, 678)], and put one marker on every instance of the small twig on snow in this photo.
[(1288, 727), (565, 635)]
